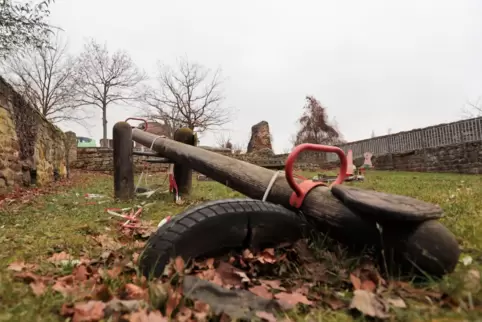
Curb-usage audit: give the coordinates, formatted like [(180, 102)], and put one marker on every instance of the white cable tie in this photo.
[(270, 185), (154, 141)]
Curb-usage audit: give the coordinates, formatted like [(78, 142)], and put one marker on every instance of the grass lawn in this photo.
[(44, 235)]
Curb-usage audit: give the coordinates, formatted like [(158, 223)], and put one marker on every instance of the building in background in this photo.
[(83, 142)]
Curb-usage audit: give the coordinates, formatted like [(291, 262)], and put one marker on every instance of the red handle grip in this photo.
[(138, 119), (313, 147)]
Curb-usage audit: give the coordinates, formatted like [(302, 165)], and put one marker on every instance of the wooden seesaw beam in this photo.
[(427, 246)]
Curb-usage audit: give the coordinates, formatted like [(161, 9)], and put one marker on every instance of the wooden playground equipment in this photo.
[(405, 230)]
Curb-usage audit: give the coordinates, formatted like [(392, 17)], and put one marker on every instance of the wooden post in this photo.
[(123, 161), (182, 172)]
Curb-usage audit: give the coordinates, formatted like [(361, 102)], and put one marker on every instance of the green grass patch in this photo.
[(66, 220)]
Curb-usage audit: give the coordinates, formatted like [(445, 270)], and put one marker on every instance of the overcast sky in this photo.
[(375, 65)]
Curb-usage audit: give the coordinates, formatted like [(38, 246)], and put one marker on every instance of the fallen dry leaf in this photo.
[(261, 291), (266, 256), (184, 314), (80, 273), (107, 242), (134, 292), (247, 254), (179, 265), (135, 258), (63, 288), (59, 257), (355, 281), (335, 303), (290, 300), (38, 288), (201, 311), (144, 316), (369, 304), (274, 284), (230, 275), (88, 311), (173, 300), (266, 316), (17, 266)]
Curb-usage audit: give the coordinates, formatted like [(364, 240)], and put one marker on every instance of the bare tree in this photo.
[(315, 127), (224, 141), (23, 25), (103, 79), (474, 109), (190, 96), (45, 78), (239, 147)]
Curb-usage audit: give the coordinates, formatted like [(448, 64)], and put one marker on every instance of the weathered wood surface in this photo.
[(182, 170), (385, 207), (429, 245), (123, 161)]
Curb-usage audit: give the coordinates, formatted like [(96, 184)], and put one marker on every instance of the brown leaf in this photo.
[(184, 314), (173, 300), (38, 288), (261, 291), (210, 263), (201, 311), (274, 284), (355, 281), (17, 266), (335, 303), (135, 258), (230, 275), (179, 265), (58, 257), (144, 316), (63, 288), (88, 311), (289, 300), (114, 272), (67, 309), (80, 273), (266, 316), (134, 292), (107, 243), (247, 254), (369, 304), (224, 318), (368, 285)]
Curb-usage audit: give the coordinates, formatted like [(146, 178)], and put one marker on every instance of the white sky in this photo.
[(374, 64)]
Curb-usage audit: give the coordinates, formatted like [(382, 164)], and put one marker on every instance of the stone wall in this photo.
[(458, 158), (101, 159), (31, 148)]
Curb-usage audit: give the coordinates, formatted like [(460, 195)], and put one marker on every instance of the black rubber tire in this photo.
[(217, 227)]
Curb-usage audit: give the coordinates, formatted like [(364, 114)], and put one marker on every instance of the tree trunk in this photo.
[(429, 245), (104, 126)]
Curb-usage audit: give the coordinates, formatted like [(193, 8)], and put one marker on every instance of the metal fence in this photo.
[(469, 130)]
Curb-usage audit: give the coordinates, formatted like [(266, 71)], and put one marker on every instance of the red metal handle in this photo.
[(313, 147), (138, 119)]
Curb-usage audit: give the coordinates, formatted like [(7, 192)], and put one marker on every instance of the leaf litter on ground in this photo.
[(271, 280)]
